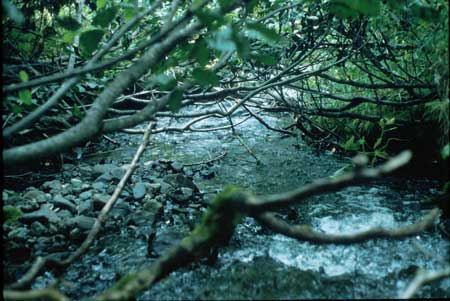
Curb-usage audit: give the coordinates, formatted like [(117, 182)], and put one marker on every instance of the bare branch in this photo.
[(424, 277), (307, 233)]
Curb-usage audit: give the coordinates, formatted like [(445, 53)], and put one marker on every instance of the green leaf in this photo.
[(69, 36), (205, 77), (350, 144), (129, 13), (23, 76), (263, 33), (101, 3), (381, 154), (105, 16), (424, 12), (174, 102), (77, 112), (377, 143), (200, 52), (68, 23), (265, 59), (350, 8), (25, 96), (89, 40), (165, 81), (16, 109), (445, 152), (367, 7)]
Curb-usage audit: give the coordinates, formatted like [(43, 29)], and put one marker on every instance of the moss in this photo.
[(11, 213)]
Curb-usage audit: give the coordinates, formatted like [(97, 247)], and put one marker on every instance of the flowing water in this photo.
[(259, 264)]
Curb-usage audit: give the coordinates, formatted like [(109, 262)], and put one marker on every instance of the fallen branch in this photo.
[(307, 233), (42, 294), (424, 277)]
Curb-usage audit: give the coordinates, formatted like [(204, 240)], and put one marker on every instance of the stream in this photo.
[(259, 264)]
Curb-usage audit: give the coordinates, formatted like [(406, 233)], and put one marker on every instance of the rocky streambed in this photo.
[(168, 193)]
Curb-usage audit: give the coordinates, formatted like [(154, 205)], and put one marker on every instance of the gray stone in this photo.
[(178, 180), (60, 202), (44, 215), (38, 229), (76, 234), (65, 214), (99, 186), (29, 206), (117, 173), (85, 195), (165, 187), (155, 187), (19, 234), (99, 200), (76, 182), (177, 166), (36, 195), (83, 222), (139, 190), (85, 207), (102, 169), (182, 194), (52, 185)]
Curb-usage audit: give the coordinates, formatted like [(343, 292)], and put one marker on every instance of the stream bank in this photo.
[(166, 197)]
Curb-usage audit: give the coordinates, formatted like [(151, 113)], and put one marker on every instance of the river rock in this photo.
[(19, 234), (54, 185), (102, 169), (139, 190), (36, 195), (38, 229), (83, 222), (117, 173), (60, 202), (99, 186), (155, 187), (99, 200), (44, 215), (182, 194), (85, 195), (76, 183), (85, 207), (28, 206), (65, 214), (179, 180), (177, 166)]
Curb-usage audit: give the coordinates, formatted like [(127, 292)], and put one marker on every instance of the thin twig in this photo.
[(207, 161)]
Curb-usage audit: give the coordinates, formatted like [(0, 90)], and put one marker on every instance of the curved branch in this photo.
[(307, 233)]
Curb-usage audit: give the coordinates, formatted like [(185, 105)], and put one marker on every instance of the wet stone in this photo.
[(38, 229), (60, 202), (85, 195), (102, 169), (19, 234), (99, 186), (65, 214), (52, 185), (29, 206), (36, 195), (83, 222), (76, 183), (99, 200), (85, 207), (177, 166), (155, 187), (44, 215), (117, 173), (139, 190)]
